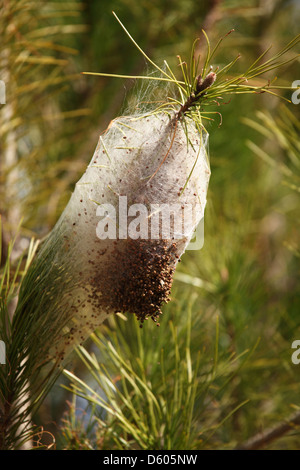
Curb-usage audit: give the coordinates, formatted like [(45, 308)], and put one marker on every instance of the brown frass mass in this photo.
[(139, 278)]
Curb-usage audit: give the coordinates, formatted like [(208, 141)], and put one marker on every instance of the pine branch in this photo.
[(270, 435)]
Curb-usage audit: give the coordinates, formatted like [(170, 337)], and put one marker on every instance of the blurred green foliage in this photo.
[(239, 297)]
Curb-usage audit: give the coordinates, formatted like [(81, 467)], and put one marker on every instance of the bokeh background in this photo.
[(220, 364)]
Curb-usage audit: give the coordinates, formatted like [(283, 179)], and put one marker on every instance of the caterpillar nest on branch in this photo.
[(132, 214), (129, 220)]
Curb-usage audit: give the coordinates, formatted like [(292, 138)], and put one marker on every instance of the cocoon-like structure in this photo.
[(129, 220)]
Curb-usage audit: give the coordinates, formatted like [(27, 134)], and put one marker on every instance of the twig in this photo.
[(201, 86), (271, 434)]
